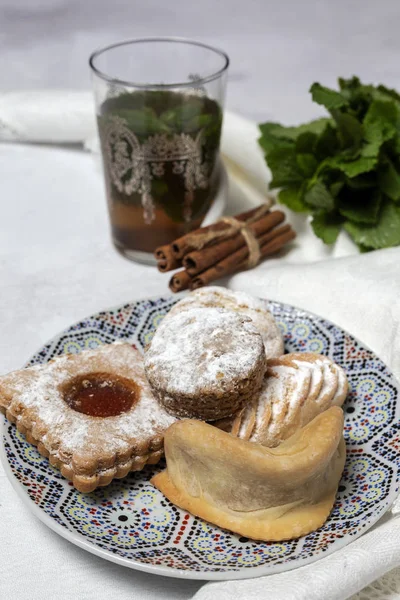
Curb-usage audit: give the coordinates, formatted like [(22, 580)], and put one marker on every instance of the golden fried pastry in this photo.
[(205, 363), (255, 308), (297, 387), (92, 414), (270, 494)]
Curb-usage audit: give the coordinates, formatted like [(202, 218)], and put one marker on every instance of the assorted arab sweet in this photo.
[(253, 437)]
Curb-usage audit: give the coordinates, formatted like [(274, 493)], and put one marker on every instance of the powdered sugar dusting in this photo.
[(248, 419), (202, 349), (63, 430), (342, 386), (316, 377), (295, 390), (218, 297), (241, 302), (285, 390), (329, 385), (274, 394)]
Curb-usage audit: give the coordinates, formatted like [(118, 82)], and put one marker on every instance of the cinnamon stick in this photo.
[(271, 235), (182, 245), (166, 261), (197, 261), (272, 242), (180, 281)]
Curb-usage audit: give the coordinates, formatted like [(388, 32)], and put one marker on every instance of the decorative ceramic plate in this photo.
[(131, 523)]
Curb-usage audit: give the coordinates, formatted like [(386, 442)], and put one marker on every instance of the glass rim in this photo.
[(172, 39)]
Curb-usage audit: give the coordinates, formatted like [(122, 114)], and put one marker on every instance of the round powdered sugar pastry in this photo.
[(240, 302), (205, 363)]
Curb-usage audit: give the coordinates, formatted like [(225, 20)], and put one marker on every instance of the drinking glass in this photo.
[(159, 104)]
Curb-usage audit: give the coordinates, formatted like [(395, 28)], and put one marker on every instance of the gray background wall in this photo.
[(277, 48)]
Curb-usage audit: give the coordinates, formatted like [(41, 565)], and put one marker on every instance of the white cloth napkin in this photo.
[(361, 293), (335, 577), (48, 116)]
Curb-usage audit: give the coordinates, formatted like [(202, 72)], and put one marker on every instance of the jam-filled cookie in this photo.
[(92, 414), (205, 363)]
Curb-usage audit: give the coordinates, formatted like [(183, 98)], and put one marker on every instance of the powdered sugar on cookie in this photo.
[(254, 308), (296, 389), (34, 397), (202, 349)]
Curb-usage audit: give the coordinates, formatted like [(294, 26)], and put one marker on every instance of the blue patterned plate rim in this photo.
[(223, 574)]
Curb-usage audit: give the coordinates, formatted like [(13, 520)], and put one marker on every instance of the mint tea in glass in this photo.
[(159, 113)]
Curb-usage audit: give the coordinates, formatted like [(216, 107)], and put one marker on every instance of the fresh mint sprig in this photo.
[(344, 170)]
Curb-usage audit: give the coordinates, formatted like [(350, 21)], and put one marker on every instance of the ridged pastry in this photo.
[(93, 414), (270, 494), (205, 363), (297, 387), (255, 308)]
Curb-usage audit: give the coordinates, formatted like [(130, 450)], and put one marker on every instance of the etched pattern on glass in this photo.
[(132, 165)]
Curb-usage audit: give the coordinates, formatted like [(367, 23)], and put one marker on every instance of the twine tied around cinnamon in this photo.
[(199, 240)]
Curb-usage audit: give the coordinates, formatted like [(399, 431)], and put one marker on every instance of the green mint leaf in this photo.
[(364, 249), (284, 168), (350, 168), (358, 166), (317, 126), (188, 117), (380, 125), (389, 180), (393, 146), (359, 98), (270, 129), (362, 182), (388, 92), (191, 109), (274, 135), (384, 234), (326, 226), (307, 164), (331, 99), (292, 198), (305, 143), (292, 133), (198, 122), (349, 85), (360, 207), (318, 196), (272, 143), (350, 130), (327, 143), (336, 187), (169, 117), (142, 122)]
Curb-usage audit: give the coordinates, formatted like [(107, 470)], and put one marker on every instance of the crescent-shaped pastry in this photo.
[(270, 494)]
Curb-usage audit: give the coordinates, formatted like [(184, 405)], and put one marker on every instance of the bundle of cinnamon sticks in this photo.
[(232, 244)]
